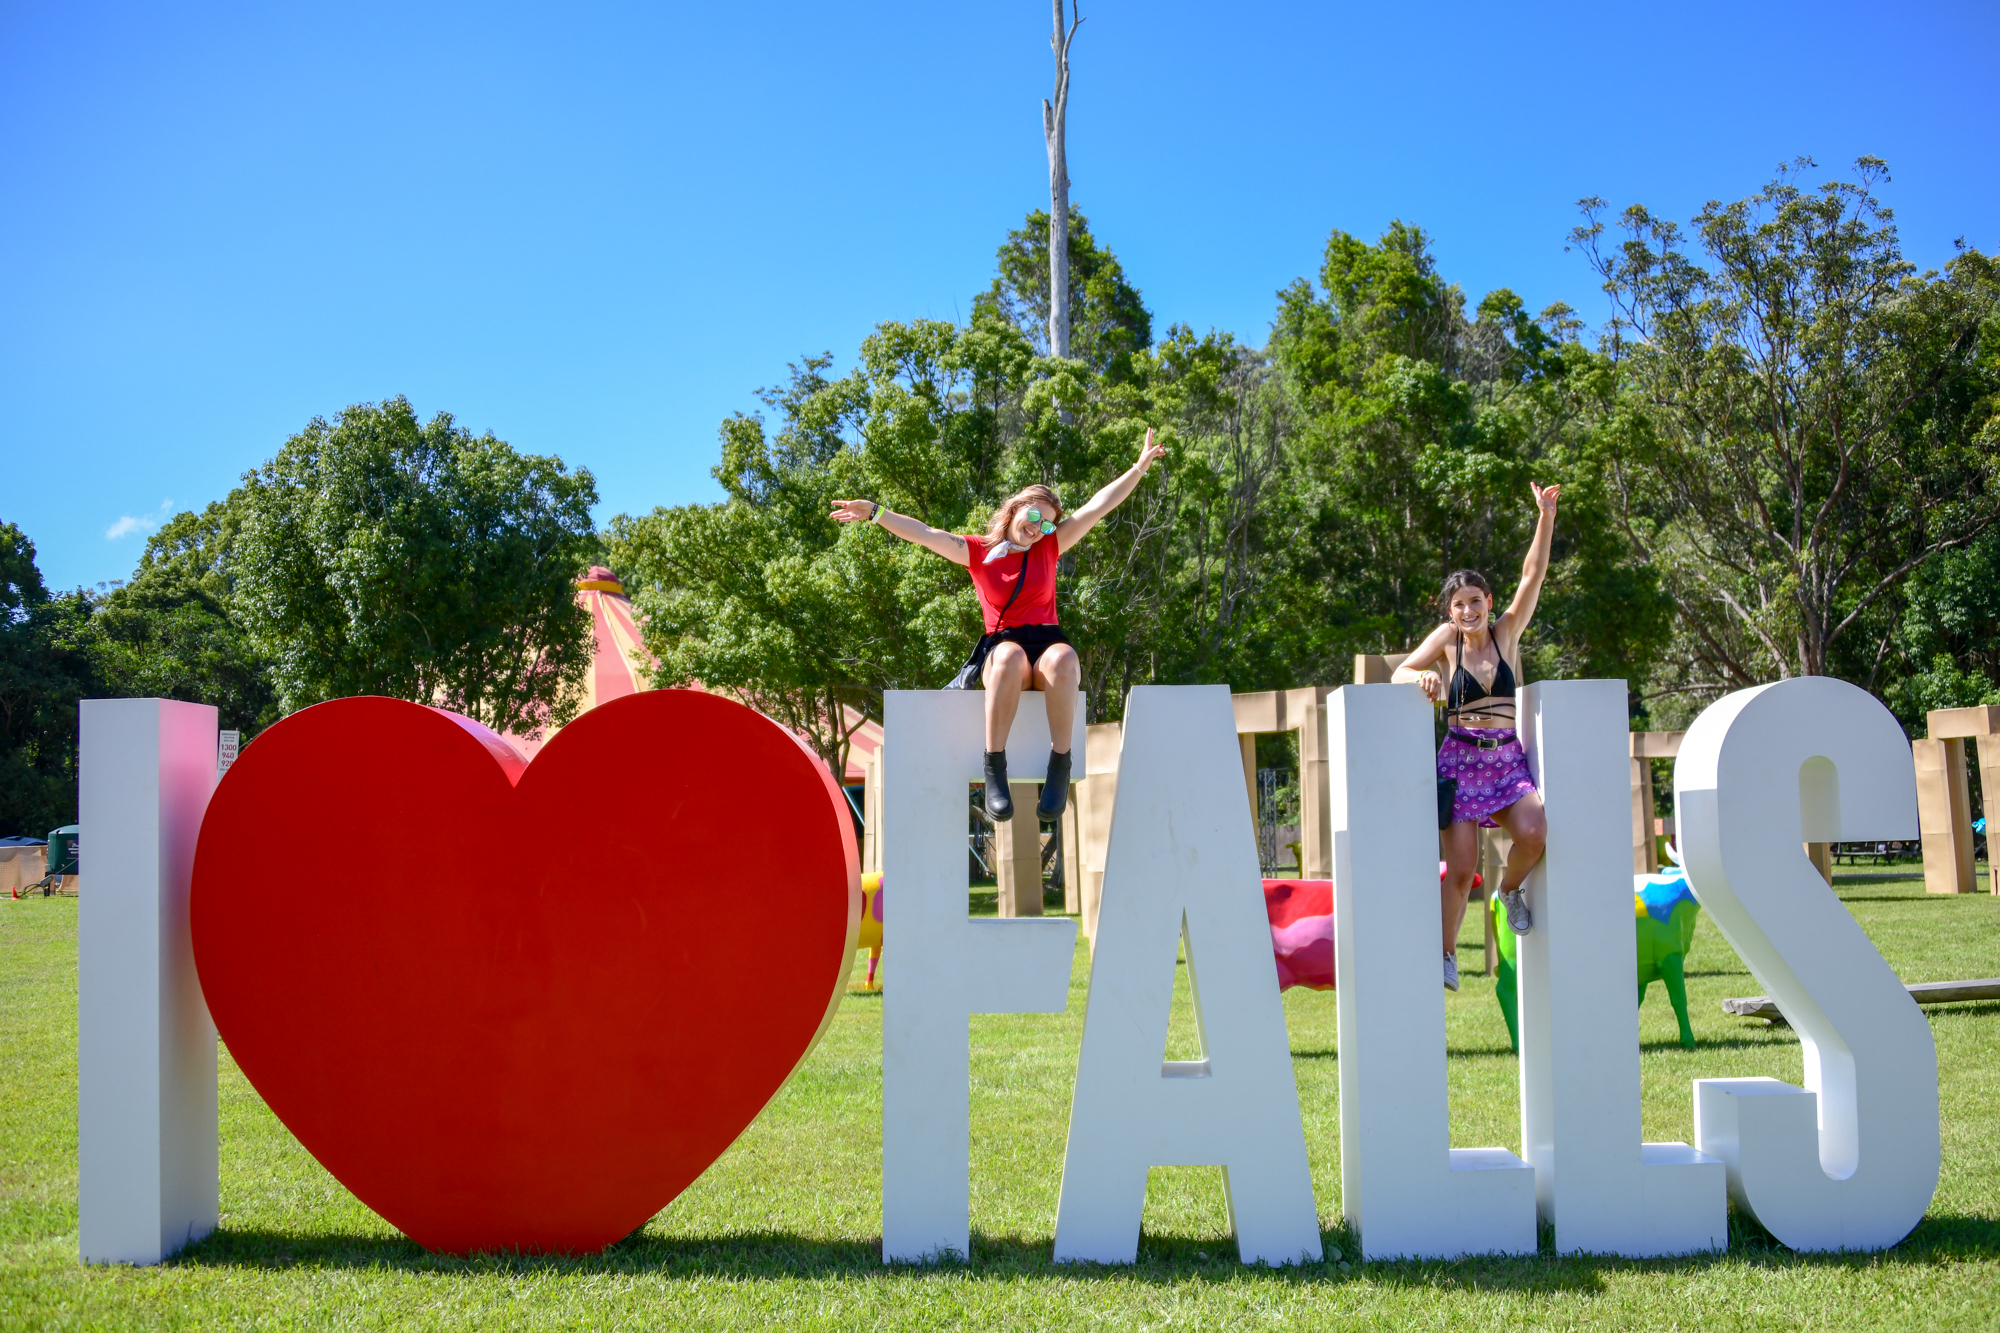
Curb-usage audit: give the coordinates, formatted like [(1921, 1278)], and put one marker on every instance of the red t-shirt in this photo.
[(995, 582)]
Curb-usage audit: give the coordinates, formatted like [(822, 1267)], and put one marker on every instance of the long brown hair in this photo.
[(1040, 497)]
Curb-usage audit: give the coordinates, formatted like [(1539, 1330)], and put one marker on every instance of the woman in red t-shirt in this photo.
[(1014, 572)]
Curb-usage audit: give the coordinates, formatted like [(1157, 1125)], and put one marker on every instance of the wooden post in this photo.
[(1072, 867), (1255, 714), (1645, 860), (1100, 794), (1646, 747), (871, 813), (1306, 709), (1944, 816), (1376, 668), (1017, 854), (1954, 727), (1000, 851), (1248, 742), (1303, 711), (1989, 789), (1821, 855)]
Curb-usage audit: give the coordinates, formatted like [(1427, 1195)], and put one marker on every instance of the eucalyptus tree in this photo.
[(1810, 419), (1055, 125), (1108, 321)]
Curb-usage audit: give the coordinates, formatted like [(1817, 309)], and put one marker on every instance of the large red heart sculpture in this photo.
[(522, 1007)]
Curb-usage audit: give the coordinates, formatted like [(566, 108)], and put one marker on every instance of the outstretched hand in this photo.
[(1149, 453), (853, 511), (1545, 497)]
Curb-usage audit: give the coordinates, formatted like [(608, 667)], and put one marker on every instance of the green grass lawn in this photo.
[(784, 1227)]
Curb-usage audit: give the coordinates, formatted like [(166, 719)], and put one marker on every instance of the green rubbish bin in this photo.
[(63, 850)]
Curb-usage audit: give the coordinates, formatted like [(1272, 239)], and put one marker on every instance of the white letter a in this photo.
[(1182, 857)]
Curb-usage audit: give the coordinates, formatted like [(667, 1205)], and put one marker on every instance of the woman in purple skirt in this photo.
[(1481, 663)]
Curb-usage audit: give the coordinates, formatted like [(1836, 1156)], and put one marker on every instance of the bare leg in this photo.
[(1005, 676), (1460, 844), (1529, 828), (1058, 675)]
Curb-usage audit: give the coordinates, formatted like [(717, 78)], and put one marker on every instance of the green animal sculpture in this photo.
[(1504, 989), (1664, 911)]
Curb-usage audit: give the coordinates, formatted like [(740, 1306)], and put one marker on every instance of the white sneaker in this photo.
[(1450, 972), (1517, 912)]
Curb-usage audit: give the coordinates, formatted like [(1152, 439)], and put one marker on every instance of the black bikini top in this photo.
[(1466, 689)]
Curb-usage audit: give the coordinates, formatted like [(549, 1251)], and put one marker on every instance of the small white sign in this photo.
[(225, 750)]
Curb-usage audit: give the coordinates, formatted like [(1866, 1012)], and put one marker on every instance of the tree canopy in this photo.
[(1808, 420), (375, 554), (1777, 461), (174, 629), (45, 668), (382, 555), (1778, 458), (1318, 491)]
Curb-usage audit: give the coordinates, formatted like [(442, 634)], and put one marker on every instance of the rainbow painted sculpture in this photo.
[(871, 926), (1664, 911)]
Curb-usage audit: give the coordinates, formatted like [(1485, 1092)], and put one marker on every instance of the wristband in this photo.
[(876, 515)]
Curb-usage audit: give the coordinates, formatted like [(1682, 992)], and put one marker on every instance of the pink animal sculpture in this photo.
[(1301, 912)]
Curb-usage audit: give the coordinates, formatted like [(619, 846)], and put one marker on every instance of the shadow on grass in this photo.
[(1970, 1008), (1162, 1260), (1757, 1038), (781, 1255)]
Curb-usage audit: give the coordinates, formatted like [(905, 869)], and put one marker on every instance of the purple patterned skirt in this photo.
[(1488, 780)]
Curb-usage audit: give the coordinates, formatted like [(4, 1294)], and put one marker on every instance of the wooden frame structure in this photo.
[(1017, 844), (1646, 747), (1301, 710), (1086, 825), (1944, 801)]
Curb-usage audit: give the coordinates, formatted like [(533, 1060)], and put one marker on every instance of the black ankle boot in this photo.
[(1055, 789), (999, 801)]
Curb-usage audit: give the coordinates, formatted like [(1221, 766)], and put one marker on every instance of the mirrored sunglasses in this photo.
[(1035, 516)]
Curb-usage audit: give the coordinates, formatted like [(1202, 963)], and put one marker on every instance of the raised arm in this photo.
[(1420, 667), (947, 544), (1514, 622), (1074, 525)]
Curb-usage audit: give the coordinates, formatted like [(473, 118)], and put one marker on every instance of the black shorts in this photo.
[(1033, 639)]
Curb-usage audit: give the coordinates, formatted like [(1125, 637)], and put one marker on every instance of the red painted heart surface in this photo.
[(523, 1008)]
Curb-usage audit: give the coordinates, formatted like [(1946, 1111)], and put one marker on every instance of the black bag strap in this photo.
[(1000, 621)]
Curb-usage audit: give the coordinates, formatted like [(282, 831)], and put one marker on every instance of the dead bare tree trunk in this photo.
[(1054, 116)]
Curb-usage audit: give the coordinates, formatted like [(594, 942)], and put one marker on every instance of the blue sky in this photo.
[(596, 229)]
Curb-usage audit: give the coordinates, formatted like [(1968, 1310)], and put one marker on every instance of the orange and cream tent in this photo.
[(620, 662), (617, 660)]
